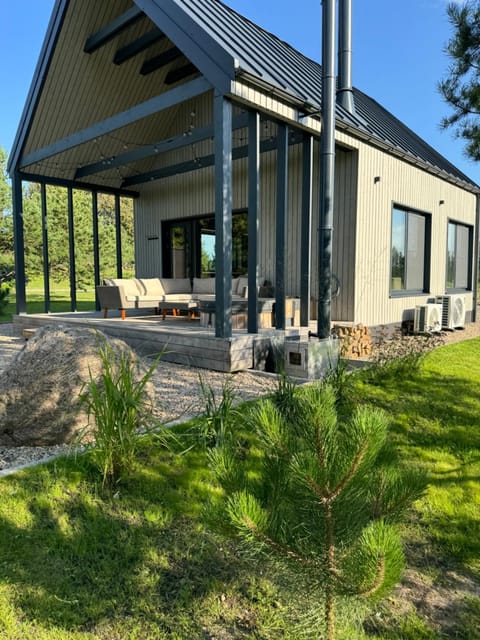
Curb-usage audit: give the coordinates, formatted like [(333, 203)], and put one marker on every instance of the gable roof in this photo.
[(262, 54), (223, 45)]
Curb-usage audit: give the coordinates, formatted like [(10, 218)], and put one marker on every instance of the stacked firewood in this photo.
[(356, 340)]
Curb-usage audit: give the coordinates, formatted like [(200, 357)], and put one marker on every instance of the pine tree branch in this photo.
[(252, 527), (378, 580), (353, 470)]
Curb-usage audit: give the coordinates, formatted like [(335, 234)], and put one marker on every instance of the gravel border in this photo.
[(177, 394)]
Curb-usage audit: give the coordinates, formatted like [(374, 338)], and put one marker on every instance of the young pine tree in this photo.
[(319, 496)]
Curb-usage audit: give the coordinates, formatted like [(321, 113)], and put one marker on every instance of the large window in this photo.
[(410, 254), (189, 247), (459, 256)]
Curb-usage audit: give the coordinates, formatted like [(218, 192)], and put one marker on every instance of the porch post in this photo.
[(223, 216), (46, 267), (253, 213), (19, 243), (306, 239), (96, 249), (71, 251), (281, 226), (118, 236)]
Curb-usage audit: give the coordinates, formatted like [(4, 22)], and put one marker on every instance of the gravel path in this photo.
[(177, 390)]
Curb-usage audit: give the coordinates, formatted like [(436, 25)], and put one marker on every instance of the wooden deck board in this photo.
[(180, 339)]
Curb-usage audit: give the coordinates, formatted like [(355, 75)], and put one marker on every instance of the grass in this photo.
[(143, 564), (59, 299)]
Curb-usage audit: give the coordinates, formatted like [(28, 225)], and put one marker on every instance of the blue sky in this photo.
[(398, 57)]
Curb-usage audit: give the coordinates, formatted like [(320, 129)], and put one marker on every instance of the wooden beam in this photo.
[(85, 186), (112, 29), (253, 218), (157, 62), (200, 163), (71, 251), (138, 112), (223, 216), (176, 75), (281, 225), (306, 230), (137, 46), (19, 244), (169, 144), (45, 256)]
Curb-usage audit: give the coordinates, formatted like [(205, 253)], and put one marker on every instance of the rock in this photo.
[(39, 391)]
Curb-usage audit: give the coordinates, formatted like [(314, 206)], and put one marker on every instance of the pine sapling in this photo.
[(320, 496)]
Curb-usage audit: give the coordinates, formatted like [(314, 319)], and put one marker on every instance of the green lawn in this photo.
[(59, 299), (144, 564)]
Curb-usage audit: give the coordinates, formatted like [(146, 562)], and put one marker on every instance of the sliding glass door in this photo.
[(189, 247)]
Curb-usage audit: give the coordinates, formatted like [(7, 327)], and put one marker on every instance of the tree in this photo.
[(461, 87), (6, 226), (319, 494)]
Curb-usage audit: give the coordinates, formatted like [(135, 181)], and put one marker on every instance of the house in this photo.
[(212, 124)]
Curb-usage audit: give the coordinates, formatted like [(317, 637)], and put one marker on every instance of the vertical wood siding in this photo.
[(402, 184)]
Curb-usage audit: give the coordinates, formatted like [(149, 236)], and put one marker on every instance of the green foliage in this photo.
[(4, 293), (461, 87), (320, 496), (216, 423), (121, 412)]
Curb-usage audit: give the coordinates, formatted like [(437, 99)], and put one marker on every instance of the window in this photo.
[(189, 246), (459, 256), (410, 255)]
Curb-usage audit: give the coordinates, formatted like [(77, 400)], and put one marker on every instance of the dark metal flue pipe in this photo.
[(345, 88), (327, 170)]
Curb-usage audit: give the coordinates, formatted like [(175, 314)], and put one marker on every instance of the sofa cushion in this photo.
[(152, 287), (131, 286), (176, 285), (176, 297), (204, 285)]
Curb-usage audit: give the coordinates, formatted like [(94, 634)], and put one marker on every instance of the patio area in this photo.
[(180, 339)]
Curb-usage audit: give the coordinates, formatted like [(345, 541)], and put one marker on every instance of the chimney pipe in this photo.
[(345, 89)]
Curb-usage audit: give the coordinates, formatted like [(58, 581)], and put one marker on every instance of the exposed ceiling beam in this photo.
[(203, 162), (137, 46), (157, 62), (63, 182), (175, 75), (138, 112), (150, 150), (112, 29)]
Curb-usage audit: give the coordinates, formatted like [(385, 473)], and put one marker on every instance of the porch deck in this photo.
[(180, 339)]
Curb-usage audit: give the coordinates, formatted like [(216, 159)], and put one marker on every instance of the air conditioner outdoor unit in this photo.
[(427, 318), (453, 311)]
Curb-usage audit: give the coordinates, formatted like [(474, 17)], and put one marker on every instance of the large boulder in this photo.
[(40, 391)]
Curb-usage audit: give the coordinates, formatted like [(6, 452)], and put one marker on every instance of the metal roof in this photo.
[(262, 54), (221, 44)]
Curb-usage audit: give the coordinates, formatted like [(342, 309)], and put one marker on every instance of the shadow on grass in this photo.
[(76, 561)]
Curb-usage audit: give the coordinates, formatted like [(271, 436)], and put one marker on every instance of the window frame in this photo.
[(427, 217), (469, 228)]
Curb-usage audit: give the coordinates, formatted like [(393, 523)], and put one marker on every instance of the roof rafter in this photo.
[(175, 75), (157, 62), (150, 150), (204, 161), (138, 112), (137, 46), (112, 29)]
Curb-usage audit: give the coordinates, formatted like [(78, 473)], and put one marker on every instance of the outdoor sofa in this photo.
[(161, 294)]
